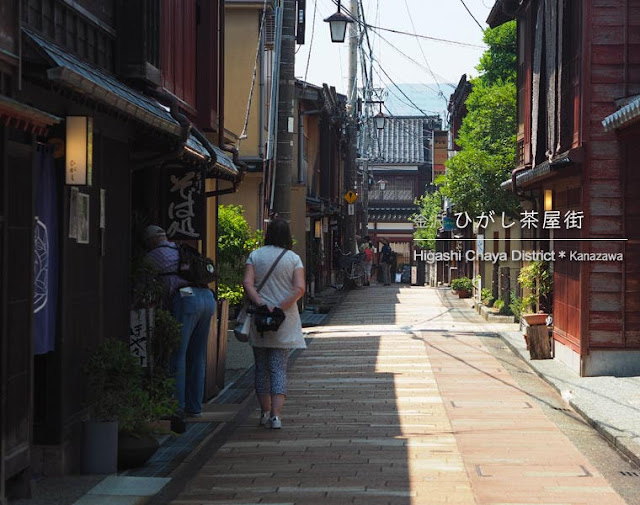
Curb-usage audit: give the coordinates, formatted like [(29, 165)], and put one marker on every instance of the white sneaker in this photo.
[(264, 418), (276, 423)]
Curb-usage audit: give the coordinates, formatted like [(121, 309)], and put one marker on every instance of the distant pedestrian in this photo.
[(385, 261), (283, 288), (192, 306), (367, 261)]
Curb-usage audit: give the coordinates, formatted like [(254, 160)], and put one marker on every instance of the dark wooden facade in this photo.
[(321, 168), (585, 166), (153, 48)]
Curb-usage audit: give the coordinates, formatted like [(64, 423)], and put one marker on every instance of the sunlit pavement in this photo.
[(399, 402)]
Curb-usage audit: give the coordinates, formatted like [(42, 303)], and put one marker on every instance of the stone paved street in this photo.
[(397, 401)]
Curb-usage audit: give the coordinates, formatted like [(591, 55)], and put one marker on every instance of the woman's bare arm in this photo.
[(297, 289), (249, 285)]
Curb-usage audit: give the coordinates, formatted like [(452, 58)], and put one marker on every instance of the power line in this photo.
[(243, 135), (400, 90), (422, 50), (400, 32), (313, 31), (471, 14), (413, 61), (436, 39)]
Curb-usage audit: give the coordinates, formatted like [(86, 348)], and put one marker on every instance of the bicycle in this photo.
[(350, 272)]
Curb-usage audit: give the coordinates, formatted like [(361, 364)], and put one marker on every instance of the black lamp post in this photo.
[(338, 25)]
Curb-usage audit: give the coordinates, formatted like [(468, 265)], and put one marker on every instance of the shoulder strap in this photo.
[(271, 270)]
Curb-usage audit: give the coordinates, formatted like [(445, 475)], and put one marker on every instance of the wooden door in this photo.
[(17, 311)]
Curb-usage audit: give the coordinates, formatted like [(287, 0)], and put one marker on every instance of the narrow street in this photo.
[(406, 397)]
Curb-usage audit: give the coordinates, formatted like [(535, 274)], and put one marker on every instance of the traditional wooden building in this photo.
[(577, 65), (400, 166), (118, 79), (317, 199)]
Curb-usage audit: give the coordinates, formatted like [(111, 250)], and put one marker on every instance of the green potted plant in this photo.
[(487, 297), (152, 402), (537, 281), (128, 401), (112, 373), (463, 286)]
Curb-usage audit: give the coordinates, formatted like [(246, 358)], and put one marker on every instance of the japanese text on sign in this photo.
[(185, 205)]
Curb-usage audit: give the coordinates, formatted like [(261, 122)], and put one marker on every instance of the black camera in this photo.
[(266, 320)]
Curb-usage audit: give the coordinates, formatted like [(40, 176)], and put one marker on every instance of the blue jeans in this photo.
[(188, 362)]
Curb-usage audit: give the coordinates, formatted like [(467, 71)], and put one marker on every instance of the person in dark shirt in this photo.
[(193, 307), (385, 261)]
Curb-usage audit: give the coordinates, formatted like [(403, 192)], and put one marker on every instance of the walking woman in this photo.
[(283, 288)]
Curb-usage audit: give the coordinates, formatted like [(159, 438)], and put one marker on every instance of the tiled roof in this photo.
[(404, 140), (623, 117)]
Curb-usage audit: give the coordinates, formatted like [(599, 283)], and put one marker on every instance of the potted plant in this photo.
[(112, 372), (128, 400), (463, 286), (537, 281), (154, 400)]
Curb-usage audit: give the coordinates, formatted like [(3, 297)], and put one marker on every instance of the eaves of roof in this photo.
[(87, 80), (623, 117), (27, 117)]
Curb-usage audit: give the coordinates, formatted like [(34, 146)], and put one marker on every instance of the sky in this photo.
[(445, 19)]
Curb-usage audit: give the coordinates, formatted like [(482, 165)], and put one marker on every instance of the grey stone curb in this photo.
[(201, 454), (625, 444)]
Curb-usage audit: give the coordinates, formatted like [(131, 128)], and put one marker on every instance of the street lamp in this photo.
[(338, 25), (383, 184), (379, 117)]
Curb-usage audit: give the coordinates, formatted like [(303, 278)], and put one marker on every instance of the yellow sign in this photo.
[(351, 196)]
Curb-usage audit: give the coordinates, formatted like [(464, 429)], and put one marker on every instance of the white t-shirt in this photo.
[(276, 290)]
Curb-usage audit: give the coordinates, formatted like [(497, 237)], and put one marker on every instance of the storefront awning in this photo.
[(88, 80)]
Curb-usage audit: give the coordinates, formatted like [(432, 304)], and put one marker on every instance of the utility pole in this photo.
[(352, 111), (284, 156)]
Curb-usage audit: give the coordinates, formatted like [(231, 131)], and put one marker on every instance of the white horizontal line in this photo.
[(524, 239)]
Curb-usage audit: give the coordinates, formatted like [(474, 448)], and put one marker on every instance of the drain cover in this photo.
[(629, 474)]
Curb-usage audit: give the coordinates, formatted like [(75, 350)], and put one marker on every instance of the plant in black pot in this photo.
[(154, 400), (138, 429), (113, 374), (129, 396)]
